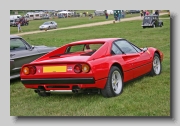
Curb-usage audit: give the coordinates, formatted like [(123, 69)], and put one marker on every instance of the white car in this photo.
[(48, 25)]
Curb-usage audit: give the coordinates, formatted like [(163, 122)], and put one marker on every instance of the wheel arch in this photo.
[(120, 67)]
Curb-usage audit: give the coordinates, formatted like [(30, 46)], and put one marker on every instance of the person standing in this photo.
[(119, 15), (141, 13), (106, 14), (122, 13), (19, 27), (144, 12)]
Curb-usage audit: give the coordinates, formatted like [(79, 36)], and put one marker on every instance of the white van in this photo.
[(15, 17), (110, 12)]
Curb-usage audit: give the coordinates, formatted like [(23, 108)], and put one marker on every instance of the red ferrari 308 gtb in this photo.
[(89, 65)]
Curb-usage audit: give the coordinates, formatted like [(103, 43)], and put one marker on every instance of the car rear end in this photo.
[(61, 71), (57, 76)]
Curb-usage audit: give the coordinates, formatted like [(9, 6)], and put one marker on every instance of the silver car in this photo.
[(48, 25), (21, 52)]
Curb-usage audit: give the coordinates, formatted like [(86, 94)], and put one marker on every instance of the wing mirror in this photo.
[(32, 47), (145, 49)]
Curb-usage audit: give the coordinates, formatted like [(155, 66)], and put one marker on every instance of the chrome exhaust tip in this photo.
[(61, 91)]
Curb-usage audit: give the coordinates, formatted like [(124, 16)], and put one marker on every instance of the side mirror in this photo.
[(145, 49), (32, 47)]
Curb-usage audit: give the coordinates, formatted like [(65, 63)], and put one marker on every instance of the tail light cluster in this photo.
[(29, 70), (78, 68)]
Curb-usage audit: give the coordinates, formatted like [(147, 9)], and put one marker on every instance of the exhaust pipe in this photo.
[(61, 91), (76, 91)]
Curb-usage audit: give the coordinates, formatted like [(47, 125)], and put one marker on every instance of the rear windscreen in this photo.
[(83, 48)]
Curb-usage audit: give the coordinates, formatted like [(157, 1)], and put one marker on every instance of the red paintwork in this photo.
[(133, 65)]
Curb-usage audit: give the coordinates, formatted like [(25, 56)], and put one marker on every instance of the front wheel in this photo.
[(156, 65), (114, 84)]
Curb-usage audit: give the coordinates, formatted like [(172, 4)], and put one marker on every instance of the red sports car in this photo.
[(101, 65)]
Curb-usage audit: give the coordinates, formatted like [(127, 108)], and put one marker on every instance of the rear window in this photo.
[(85, 48)]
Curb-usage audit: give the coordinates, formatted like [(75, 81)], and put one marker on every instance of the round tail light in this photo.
[(85, 68), (78, 68), (29, 70), (26, 70), (32, 69)]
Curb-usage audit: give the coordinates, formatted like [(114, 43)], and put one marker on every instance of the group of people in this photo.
[(117, 14), (146, 12)]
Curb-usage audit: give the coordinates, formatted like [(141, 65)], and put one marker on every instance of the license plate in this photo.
[(50, 69)]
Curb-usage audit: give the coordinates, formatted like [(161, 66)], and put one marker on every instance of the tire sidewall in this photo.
[(152, 71), (108, 91)]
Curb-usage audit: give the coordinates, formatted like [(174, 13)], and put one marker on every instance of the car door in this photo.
[(135, 58), (20, 53), (126, 63), (51, 24)]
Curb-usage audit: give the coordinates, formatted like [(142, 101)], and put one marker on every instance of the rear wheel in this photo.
[(156, 65), (114, 84)]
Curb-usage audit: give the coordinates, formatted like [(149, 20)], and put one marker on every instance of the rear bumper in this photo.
[(59, 81), (64, 83)]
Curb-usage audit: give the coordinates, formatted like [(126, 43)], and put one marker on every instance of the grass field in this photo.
[(64, 22), (147, 96)]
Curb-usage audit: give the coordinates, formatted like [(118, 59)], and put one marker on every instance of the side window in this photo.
[(115, 50), (125, 46), (17, 44), (136, 48)]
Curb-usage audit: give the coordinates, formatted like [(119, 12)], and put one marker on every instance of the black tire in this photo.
[(109, 90), (44, 94), (144, 27), (156, 64), (48, 28)]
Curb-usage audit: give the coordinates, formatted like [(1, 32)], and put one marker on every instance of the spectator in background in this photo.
[(106, 14), (141, 13), (122, 13), (19, 27), (157, 12), (144, 12), (147, 12)]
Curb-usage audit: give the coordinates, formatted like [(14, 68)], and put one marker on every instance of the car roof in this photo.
[(95, 40), (14, 36)]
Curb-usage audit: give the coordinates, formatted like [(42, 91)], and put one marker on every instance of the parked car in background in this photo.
[(101, 65), (99, 12), (132, 11), (152, 21), (14, 22), (48, 25), (21, 52), (45, 17)]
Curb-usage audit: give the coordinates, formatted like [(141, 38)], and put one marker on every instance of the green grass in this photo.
[(64, 22), (147, 96)]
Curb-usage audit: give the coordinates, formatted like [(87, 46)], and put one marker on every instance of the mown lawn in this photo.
[(147, 96), (64, 22)]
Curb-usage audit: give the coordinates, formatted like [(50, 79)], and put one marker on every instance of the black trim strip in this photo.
[(138, 67), (59, 81)]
